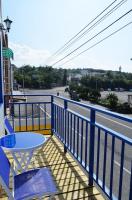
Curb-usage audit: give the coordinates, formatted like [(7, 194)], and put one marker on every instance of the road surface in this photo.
[(110, 122)]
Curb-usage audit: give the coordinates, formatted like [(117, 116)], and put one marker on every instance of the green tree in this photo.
[(94, 96), (112, 100), (65, 77), (83, 92)]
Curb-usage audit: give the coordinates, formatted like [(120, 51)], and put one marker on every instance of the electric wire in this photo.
[(113, 33), (92, 37), (83, 28), (94, 25)]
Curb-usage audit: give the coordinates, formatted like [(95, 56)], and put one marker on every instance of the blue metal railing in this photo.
[(102, 151), (30, 115)]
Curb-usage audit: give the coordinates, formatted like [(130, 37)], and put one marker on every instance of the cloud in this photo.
[(24, 55)]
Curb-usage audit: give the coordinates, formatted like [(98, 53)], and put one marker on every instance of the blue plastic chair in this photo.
[(8, 126), (10, 131), (31, 184)]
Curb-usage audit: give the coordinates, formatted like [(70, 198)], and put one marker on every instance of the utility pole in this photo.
[(120, 68), (23, 83), (96, 84)]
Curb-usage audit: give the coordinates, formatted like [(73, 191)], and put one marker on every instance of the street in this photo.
[(117, 125)]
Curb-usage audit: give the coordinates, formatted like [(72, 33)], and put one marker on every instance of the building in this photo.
[(7, 68)]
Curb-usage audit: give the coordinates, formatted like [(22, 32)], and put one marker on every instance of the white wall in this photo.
[(1, 120)]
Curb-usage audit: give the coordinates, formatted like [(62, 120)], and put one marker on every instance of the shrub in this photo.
[(112, 101), (94, 96), (124, 108)]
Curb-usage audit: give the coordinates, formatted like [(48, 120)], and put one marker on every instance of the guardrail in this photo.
[(29, 115), (103, 152)]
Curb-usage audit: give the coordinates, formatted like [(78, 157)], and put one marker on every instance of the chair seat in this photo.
[(36, 183)]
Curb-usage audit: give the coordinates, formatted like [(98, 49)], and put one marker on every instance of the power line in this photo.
[(98, 42), (94, 25), (83, 28), (92, 37)]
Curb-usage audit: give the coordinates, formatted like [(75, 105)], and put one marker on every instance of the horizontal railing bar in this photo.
[(75, 113), (99, 183), (109, 131), (58, 105), (114, 133), (110, 113), (70, 127), (80, 116), (30, 102), (34, 130), (106, 112), (27, 95)]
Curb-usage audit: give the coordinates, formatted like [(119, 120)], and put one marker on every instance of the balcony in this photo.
[(72, 183), (88, 148)]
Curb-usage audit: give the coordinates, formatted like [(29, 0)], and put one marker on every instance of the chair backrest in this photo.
[(8, 126), (4, 167), (5, 173)]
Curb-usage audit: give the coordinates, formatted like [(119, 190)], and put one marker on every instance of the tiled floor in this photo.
[(71, 182)]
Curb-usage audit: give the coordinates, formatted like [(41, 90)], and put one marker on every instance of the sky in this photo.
[(41, 27)]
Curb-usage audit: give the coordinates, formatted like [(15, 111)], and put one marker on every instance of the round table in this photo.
[(22, 143)]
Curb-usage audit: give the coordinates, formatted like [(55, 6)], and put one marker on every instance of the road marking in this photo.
[(118, 164), (49, 116), (79, 133), (105, 118), (115, 121), (108, 119)]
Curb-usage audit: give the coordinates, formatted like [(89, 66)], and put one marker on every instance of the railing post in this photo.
[(65, 108), (130, 194), (52, 115), (91, 147), (5, 105), (7, 100)]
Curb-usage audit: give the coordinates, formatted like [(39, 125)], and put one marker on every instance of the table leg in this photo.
[(24, 160), (28, 160), (18, 165)]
